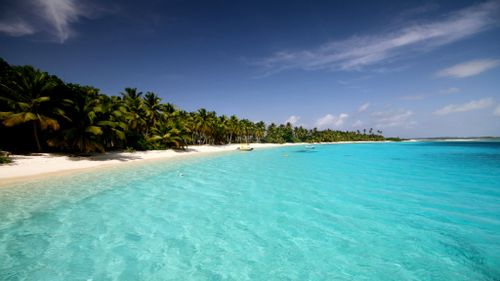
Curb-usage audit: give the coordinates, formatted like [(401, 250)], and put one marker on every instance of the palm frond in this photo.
[(94, 130)]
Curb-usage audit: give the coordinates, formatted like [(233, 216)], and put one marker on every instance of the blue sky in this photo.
[(408, 68)]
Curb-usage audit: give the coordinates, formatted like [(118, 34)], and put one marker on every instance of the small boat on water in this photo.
[(245, 147), (309, 146)]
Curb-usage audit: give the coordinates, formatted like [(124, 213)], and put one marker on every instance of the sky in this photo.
[(408, 68)]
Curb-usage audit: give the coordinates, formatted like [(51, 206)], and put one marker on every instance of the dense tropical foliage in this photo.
[(40, 112)]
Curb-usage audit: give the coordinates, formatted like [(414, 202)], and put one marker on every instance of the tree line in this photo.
[(40, 112)]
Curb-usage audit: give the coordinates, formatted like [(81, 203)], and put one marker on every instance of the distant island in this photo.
[(40, 112)]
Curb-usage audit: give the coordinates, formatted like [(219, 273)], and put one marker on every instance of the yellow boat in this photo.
[(245, 147)]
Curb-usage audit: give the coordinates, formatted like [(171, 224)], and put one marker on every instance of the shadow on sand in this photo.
[(104, 157), (120, 156)]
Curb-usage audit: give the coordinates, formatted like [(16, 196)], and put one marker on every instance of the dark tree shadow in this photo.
[(104, 157)]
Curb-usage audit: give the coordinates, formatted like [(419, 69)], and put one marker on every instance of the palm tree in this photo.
[(247, 129), (232, 127), (153, 110), (133, 101), (301, 134), (172, 133), (221, 127), (204, 122), (131, 94), (97, 121), (83, 133), (260, 130), (29, 98), (112, 120), (168, 108)]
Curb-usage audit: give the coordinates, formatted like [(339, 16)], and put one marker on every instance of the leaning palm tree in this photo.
[(29, 98)]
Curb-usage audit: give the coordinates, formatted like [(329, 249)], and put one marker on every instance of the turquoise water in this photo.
[(394, 211)]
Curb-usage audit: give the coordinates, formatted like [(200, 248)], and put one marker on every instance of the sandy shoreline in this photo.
[(28, 167)]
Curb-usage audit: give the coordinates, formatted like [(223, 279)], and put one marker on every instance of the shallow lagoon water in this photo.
[(385, 211)]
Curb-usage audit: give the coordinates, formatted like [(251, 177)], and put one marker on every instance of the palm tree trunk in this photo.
[(35, 133)]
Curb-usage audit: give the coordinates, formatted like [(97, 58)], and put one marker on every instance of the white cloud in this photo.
[(60, 14), (364, 107), (497, 111), (331, 121), (358, 52), (293, 120), (394, 118), (54, 17), (470, 68), (16, 28), (472, 105), (450, 91)]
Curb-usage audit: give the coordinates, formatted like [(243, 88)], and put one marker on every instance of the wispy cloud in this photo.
[(16, 28), (331, 121), (364, 107), (470, 68), (359, 52), (393, 118), (469, 106), (54, 17), (293, 120), (450, 91), (60, 14)]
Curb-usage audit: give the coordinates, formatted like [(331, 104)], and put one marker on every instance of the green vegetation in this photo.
[(40, 112), (4, 159), (394, 139)]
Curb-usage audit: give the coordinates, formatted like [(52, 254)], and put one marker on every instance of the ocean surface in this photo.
[(385, 211)]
